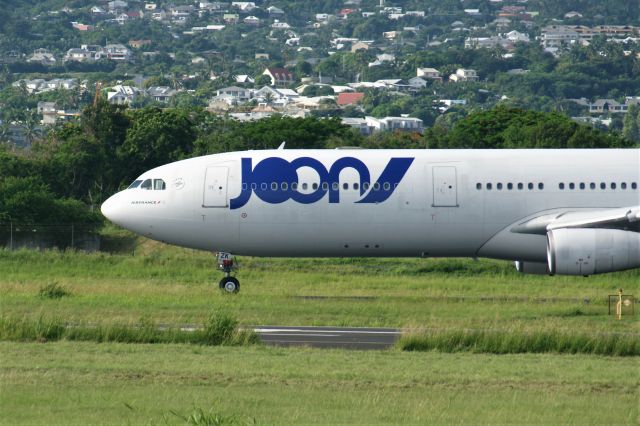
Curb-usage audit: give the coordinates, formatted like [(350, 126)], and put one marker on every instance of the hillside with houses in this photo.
[(379, 66)]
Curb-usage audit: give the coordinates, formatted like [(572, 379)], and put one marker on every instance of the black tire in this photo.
[(230, 285)]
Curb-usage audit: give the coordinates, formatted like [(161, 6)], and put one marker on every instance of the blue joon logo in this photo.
[(275, 180)]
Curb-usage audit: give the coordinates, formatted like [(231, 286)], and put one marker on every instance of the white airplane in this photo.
[(566, 212)]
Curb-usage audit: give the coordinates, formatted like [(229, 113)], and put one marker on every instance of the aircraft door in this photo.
[(445, 192), (215, 187)]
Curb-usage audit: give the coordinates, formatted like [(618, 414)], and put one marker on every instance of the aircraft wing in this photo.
[(625, 218)]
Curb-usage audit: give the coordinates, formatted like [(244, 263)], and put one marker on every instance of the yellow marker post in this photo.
[(619, 305)]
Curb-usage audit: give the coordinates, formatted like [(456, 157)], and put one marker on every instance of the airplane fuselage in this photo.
[(351, 202)]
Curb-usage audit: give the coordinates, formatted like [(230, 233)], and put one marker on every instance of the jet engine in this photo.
[(588, 251)]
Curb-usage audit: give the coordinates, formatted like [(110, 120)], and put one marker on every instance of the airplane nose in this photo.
[(112, 209)]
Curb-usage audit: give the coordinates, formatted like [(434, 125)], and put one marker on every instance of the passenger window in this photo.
[(592, 185), (530, 186), (386, 186), (135, 184), (274, 186), (345, 186), (613, 185), (365, 186), (478, 186), (582, 185), (335, 186), (623, 185), (305, 186), (254, 186), (294, 186), (634, 185), (499, 185), (489, 186), (520, 186), (315, 186), (603, 185), (244, 186), (561, 185), (263, 186), (376, 186), (540, 186), (356, 186), (159, 185), (509, 186), (572, 185), (284, 186), (146, 184), (325, 186)]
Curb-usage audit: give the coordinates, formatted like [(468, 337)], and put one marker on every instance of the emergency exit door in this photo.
[(215, 187), (445, 192)]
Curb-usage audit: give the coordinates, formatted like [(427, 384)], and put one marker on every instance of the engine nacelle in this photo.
[(537, 268), (587, 251)]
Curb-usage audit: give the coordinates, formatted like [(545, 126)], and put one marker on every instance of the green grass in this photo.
[(88, 383), (510, 342), (61, 312), (219, 329), (176, 286)]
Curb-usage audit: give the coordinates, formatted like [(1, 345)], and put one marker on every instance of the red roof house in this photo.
[(347, 98)]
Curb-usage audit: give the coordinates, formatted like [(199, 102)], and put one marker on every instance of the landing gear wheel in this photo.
[(230, 285)]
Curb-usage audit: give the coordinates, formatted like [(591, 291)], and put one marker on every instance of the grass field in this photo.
[(82, 383), (141, 282)]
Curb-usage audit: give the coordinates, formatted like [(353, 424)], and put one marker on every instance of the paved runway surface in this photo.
[(329, 337)]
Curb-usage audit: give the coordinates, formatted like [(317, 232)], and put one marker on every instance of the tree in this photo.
[(631, 124), (155, 137)]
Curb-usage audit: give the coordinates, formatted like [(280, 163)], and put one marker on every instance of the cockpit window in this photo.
[(159, 185), (135, 184), (146, 184)]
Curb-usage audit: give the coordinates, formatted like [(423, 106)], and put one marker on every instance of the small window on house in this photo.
[(135, 184), (146, 184), (489, 186), (582, 185), (520, 186), (499, 185), (530, 186), (478, 186), (561, 185), (509, 186)]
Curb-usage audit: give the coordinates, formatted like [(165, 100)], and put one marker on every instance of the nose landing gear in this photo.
[(226, 264)]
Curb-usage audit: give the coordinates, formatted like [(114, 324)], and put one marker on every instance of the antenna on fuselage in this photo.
[(281, 147)]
